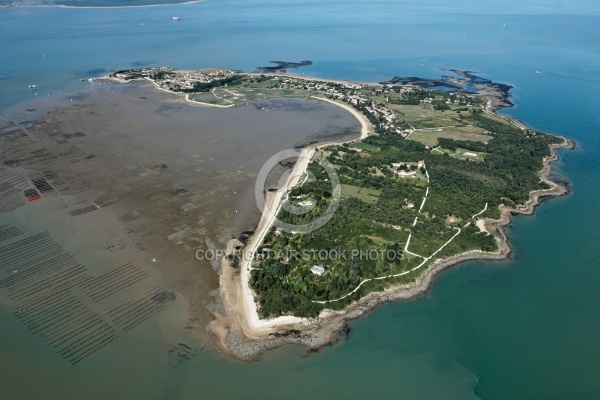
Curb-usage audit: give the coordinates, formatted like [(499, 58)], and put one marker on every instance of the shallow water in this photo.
[(523, 328)]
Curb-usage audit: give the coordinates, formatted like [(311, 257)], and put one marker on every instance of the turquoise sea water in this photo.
[(526, 328)]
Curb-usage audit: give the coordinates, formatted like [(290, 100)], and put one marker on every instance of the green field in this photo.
[(424, 116), (227, 96), (463, 154), (460, 154), (210, 98), (430, 137), (367, 195), (365, 146)]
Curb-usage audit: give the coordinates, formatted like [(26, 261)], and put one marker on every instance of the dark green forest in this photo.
[(458, 189)]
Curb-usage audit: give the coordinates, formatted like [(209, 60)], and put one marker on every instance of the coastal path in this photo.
[(425, 260)]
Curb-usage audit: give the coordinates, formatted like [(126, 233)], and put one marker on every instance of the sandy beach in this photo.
[(242, 334), (138, 164), (237, 328), (241, 319), (253, 325)]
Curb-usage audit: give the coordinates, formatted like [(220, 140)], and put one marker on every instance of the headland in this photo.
[(433, 181)]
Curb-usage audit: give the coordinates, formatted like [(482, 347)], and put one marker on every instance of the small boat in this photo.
[(537, 72), (32, 86), (175, 18)]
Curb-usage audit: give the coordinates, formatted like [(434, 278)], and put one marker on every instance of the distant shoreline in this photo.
[(33, 5)]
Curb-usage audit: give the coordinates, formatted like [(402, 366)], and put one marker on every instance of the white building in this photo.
[(406, 173), (317, 270)]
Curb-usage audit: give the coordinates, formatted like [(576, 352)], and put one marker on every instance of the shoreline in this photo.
[(237, 329), (102, 7), (236, 294), (186, 96), (240, 340), (242, 335), (253, 323)]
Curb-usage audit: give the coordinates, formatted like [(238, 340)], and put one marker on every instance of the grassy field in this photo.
[(365, 146), (461, 154), (379, 240), (367, 195), (496, 118), (468, 155), (424, 116), (429, 137), (225, 96), (210, 98)]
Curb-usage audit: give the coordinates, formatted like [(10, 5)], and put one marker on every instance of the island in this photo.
[(432, 180)]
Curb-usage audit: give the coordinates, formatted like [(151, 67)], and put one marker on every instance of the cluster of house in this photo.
[(141, 72), (389, 121), (347, 92), (404, 169), (174, 80), (187, 80), (455, 98)]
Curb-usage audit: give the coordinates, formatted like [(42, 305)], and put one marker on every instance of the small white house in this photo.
[(317, 270), (406, 173)]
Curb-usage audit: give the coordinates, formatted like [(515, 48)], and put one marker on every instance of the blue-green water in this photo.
[(527, 328)]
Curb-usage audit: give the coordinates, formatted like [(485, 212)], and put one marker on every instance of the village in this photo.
[(172, 79), (355, 95), (364, 98), (376, 102)]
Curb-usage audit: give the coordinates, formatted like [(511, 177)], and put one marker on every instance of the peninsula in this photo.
[(430, 183)]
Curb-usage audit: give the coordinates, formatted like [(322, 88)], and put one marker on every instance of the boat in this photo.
[(175, 18), (32, 86)]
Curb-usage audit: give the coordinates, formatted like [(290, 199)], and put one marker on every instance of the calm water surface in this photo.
[(527, 328)]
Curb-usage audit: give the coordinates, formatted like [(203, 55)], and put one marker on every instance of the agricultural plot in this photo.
[(224, 96), (366, 146), (430, 137), (424, 116), (461, 154), (369, 196)]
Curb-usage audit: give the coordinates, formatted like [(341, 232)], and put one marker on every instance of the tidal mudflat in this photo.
[(107, 195)]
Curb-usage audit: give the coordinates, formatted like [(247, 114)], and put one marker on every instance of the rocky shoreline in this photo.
[(465, 82), (331, 326)]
